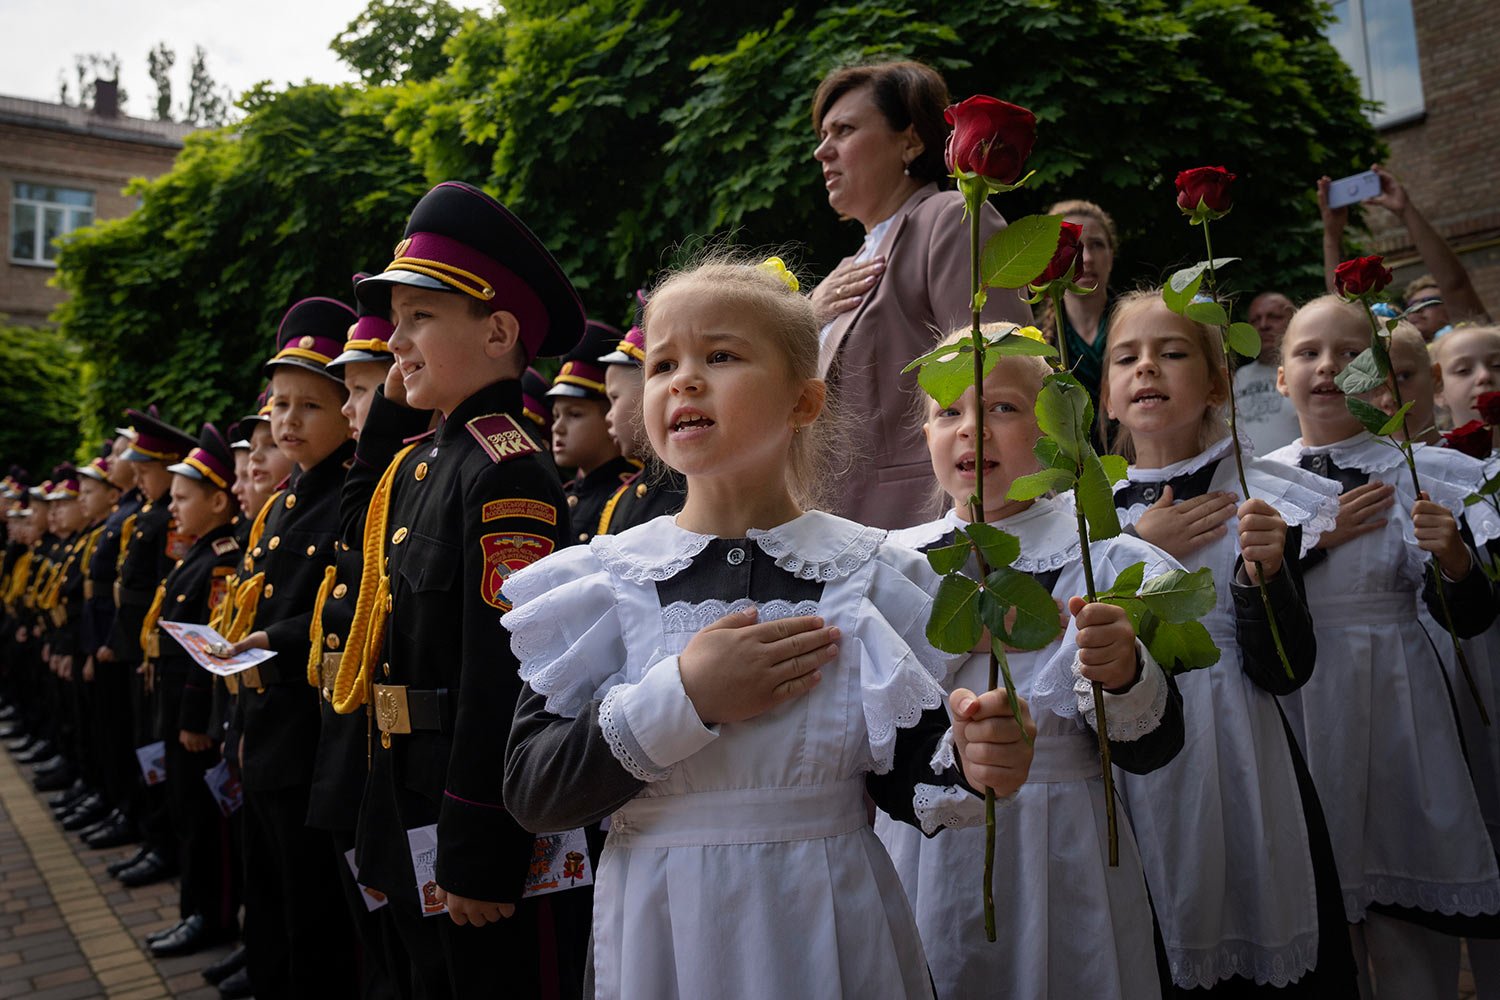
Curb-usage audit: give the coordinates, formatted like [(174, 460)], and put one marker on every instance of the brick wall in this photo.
[(82, 162), (1449, 160)]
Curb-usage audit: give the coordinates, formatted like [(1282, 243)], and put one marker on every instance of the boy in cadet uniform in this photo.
[(112, 682), (475, 296), (204, 509), (151, 543), (338, 782), (62, 589), (21, 545), (297, 936), (655, 489), (580, 437), (48, 764)]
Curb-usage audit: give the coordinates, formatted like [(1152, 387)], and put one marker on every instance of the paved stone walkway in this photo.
[(67, 929)]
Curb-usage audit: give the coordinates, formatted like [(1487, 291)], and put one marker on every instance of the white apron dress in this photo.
[(1221, 828), (746, 866), (1068, 926), (1375, 721)]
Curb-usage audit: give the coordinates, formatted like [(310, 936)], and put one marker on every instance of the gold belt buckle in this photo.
[(250, 677), (391, 712), (328, 672), (59, 615), (232, 683)]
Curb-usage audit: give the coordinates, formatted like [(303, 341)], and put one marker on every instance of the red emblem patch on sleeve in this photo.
[(504, 553), (495, 510)]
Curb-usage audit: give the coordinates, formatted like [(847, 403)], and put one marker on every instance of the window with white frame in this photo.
[(39, 214), (1378, 39)]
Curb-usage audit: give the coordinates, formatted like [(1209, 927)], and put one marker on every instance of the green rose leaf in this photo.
[(999, 548), (946, 378), (1395, 422), (1178, 298), (954, 625), (1371, 417), (1013, 344), (964, 347), (1036, 622), (1178, 646), (1115, 467), (1019, 252), (1064, 412), (1362, 375), (1050, 456), (1210, 313), (1242, 339), (1127, 582), (1036, 484), (1178, 595), (1094, 495), (949, 558)]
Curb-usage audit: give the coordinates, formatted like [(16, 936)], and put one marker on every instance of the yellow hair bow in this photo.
[(776, 266)]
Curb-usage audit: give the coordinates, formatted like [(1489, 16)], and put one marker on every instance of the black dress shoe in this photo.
[(11, 729), (7, 712), (115, 831), (53, 779), (65, 800), (38, 751), (186, 938), (225, 967), (151, 868), (236, 986), (166, 932), (89, 810), (20, 743), (116, 867)]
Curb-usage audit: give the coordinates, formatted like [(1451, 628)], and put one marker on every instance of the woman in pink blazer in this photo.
[(881, 137)]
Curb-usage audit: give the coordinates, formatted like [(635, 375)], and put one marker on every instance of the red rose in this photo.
[(1473, 439), (1488, 406), (1362, 276), (990, 138), (1069, 247), (1208, 186)]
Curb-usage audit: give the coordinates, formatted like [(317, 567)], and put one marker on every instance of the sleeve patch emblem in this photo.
[(534, 509), (504, 553)]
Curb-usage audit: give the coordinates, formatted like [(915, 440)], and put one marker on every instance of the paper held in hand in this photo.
[(200, 640)]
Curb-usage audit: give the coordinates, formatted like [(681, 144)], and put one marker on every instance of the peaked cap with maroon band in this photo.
[(64, 483), (369, 337), (210, 462), (459, 239), (98, 470), (581, 375), (155, 439), (311, 333)]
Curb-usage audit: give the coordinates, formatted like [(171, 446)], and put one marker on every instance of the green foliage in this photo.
[(954, 625), (1363, 374), (178, 303), (1242, 339), (1164, 611), (1017, 254), (40, 378), (395, 40)]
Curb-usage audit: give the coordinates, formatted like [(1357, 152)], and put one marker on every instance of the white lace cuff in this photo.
[(651, 725), (939, 806), (1130, 715), (943, 757)]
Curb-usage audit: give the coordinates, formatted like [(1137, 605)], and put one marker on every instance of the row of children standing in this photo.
[(726, 686)]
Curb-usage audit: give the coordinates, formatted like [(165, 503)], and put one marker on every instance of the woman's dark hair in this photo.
[(907, 93)]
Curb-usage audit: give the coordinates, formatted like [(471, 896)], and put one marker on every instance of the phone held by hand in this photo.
[(1352, 189)]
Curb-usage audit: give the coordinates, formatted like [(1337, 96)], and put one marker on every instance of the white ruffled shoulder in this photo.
[(1047, 531), (565, 628), (1303, 499), (920, 536), (1449, 476), (901, 673)]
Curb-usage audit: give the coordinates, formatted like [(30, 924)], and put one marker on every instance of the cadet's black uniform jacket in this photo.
[(192, 590), (103, 568), (469, 505), (588, 495), (645, 496), (151, 548), (279, 719), (67, 599), (343, 757)]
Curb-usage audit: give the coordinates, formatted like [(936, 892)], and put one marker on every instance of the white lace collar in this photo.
[(1364, 451), (814, 546), (1186, 467)]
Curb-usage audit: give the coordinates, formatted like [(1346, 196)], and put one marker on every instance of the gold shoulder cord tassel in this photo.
[(148, 626), (127, 532), (315, 627), (238, 615), (351, 686), (19, 577)]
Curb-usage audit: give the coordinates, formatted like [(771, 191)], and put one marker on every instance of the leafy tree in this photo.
[(206, 105), (179, 302), (43, 371), (394, 40), (159, 62)]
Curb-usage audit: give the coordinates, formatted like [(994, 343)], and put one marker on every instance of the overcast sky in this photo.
[(246, 40)]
